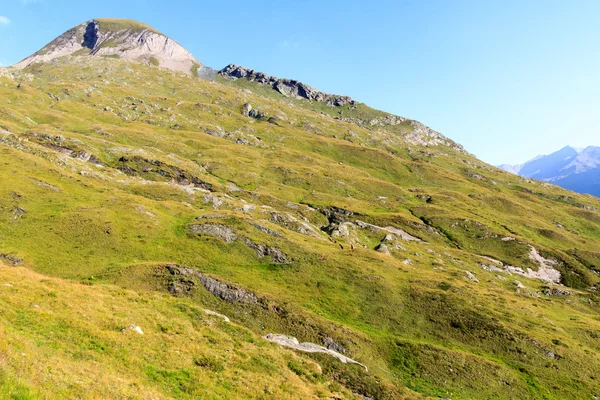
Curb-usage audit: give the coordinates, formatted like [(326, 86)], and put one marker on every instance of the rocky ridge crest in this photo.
[(287, 87)]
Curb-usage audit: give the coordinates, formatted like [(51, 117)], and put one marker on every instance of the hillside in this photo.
[(75, 340), (134, 194), (577, 170)]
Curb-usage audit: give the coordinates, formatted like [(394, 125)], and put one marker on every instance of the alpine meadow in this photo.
[(172, 231)]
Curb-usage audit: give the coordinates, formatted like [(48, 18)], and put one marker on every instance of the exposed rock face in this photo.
[(287, 87), (125, 39), (90, 37), (545, 273), (293, 343), (222, 232), (226, 292), (12, 260), (262, 250)]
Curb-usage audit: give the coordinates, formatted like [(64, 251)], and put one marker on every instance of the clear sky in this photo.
[(507, 79)]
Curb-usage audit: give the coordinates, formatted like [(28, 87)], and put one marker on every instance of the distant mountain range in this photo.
[(571, 168)]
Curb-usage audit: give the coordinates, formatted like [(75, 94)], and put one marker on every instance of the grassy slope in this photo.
[(64, 340), (424, 326), (117, 24)]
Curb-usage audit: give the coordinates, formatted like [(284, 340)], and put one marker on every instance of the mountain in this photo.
[(573, 169), (513, 169), (126, 39), (163, 236)]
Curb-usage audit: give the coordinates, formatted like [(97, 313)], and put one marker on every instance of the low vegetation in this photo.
[(339, 230)]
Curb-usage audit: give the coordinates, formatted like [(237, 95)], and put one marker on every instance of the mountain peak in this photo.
[(567, 149), (118, 38)]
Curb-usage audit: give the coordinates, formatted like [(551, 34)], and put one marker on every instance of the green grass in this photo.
[(72, 342), (116, 25), (194, 70), (422, 327)]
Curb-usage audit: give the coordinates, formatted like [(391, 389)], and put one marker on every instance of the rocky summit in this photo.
[(168, 237), (129, 40)]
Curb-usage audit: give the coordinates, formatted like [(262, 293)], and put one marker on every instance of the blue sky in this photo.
[(507, 79)]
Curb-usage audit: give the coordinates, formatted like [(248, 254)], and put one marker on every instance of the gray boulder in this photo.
[(222, 232)]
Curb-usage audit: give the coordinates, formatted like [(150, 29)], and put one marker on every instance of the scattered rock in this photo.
[(12, 260), (180, 287), (546, 271), (246, 108), (343, 230), (556, 292), (211, 216), (133, 328), (158, 170), (491, 268), (214, 200), (389, 238), (226, 292), (216, 314), (275, 120), (266, 230), (382, 248), (550, 354), (336, 215), (370, 398), (472, 277), (292, 342), (474, 176), (262, 250), (143, 211), (46, 185), (248, 207), (333, 345), (256, 114), (391, 229), (289, 222), (18, 213), (222, 232)]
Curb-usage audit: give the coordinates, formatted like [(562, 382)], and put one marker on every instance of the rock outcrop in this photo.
[(125, 39), (307, 347), (220, 289), (287, 87), (263, 250), (222, 232)]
